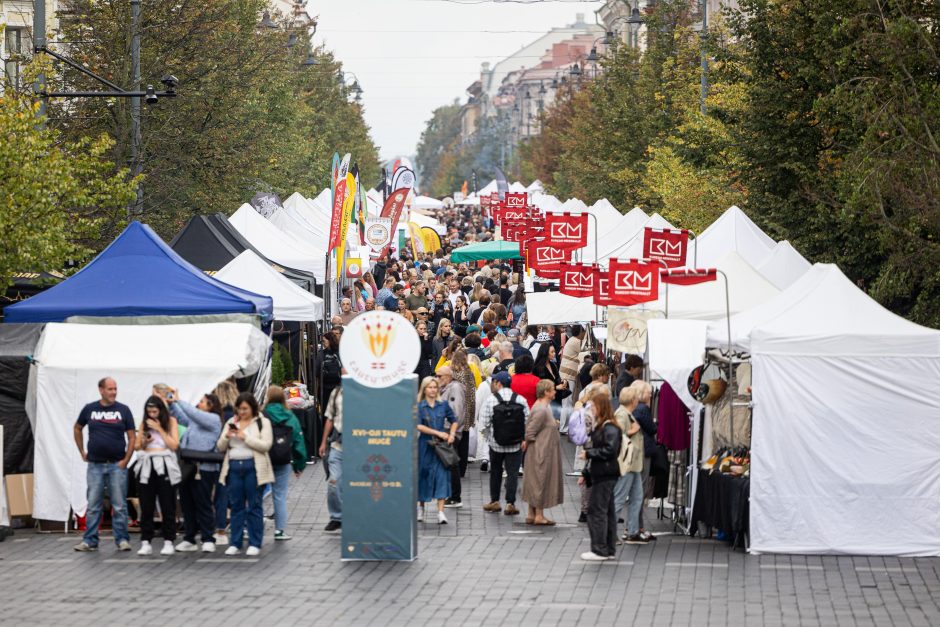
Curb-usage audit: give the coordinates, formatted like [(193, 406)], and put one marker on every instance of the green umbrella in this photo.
[(496, 249)]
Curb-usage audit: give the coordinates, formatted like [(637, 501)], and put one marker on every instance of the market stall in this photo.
[(481, 251)]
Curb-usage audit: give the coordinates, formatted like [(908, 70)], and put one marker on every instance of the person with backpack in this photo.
[(329, 365), (502, 422), (288, 450), (544, 485), (630, 483), (601, 474)]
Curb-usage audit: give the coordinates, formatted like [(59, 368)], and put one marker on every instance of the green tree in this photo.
[(56, 195), (438, 140)]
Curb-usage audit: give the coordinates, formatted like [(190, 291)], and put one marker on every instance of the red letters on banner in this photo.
[(602, 288), (514, 231), (568, 230), (666, 245), (339, 195), (689, 276), (577, 279), (633, 282)]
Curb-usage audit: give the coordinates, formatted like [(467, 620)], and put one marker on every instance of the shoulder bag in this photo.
[(445, 452)]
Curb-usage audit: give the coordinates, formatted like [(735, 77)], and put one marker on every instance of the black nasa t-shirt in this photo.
[(106, 427)]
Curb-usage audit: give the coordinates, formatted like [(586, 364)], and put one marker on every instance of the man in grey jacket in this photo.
[(452, 391)]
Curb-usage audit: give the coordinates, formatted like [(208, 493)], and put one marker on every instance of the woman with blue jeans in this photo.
[(275, 408), (630, 484), (246, 440)]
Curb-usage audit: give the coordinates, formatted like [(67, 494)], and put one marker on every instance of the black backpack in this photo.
[(281, 446), (332, 369), (508, 421)]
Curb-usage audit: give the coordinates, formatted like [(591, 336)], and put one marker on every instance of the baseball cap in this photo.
[(502, 378), (513, 333)]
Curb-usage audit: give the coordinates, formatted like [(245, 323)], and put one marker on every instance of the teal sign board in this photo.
[(380, 471)]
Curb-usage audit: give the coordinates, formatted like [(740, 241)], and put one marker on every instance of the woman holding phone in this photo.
[(158, 474), (246, 440)]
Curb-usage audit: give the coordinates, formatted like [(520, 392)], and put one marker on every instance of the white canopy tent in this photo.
[(545, 202), (71, 358), (425, 220), (624, 244), (276, 244), (250, 272), (845, 443), (517, 188), (558, 308), (733, 231), (535, 187), (784, 265), (427, 203)]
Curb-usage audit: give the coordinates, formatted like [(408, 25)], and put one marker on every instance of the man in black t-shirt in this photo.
[(109, 423)]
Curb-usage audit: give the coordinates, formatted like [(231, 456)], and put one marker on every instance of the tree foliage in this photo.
[(56, 196), (438, 142)]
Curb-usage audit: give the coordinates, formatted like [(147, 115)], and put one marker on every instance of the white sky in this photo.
[(412, 56)]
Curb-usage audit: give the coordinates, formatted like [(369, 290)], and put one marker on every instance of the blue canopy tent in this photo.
[(138, 275)]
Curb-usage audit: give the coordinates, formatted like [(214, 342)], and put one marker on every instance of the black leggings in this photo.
[(158, 487)]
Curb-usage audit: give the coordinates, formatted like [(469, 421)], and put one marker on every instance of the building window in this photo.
[(13, 40)]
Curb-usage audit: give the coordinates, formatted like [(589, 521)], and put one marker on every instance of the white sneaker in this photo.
[(167, 548), (145, 548), (208, 547), (441, 518), (590, 556), (420, 513), (220, 539), (252, 551), (186, 547), (232, 550)]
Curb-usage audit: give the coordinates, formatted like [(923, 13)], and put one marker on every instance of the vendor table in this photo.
[(722, 502), (313, 429)]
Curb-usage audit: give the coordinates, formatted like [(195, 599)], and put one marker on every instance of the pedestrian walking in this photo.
[(630, 484), (246, 440), (158, 473), (227, 392), (435, 420), (331, 449), (275, 408), (503, 419), (463, 375), (543, 487), (601, 474), (111, 440)]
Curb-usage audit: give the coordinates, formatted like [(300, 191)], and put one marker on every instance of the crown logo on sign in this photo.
[(378, 338)]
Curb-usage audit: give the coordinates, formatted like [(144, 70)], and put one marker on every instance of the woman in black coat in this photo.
[(601, 474), (425, 368), (545, 368)]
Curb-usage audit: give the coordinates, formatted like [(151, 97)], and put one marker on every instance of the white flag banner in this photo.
[(626, 330), (378, 233)]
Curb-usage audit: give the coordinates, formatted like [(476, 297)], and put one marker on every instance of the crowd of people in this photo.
[(492, 388)]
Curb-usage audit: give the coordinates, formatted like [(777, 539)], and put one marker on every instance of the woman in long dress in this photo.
[(543, 486), (434, 416)]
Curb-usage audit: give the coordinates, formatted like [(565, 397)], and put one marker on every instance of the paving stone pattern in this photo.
[(481, 568)]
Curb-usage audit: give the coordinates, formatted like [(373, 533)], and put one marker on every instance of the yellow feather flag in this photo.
[(344, 225)]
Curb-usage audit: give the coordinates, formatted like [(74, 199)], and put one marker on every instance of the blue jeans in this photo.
[(281, 479), (630, 485), (97, 474), (220, 501), (244, 499), (334, 491)]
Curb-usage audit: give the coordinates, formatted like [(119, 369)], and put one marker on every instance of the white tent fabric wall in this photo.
[(291, 303), (275, 244), (517, 188), (558, 308), (71, 358), (784, 265), (733, 231), (298, 231), (535, 186), (427, 203), (424, 220), (626, 245)]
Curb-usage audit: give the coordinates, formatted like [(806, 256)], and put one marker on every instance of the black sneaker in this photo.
[(636, 539), (484, 466), (452, 502), (582, 518), (333, 525)]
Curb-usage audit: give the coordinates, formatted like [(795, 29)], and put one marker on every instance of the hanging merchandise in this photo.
[(633, 282), (577, 279), (666, 245), (567, 230), (673, 417)]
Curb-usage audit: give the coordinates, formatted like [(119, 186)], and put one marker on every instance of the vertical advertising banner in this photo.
[(392, 210), (380, 351), (577, 279), (666, 245), (567, 230), (633, 282)]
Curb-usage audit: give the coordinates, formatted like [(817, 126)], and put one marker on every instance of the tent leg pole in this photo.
[(730, 357)]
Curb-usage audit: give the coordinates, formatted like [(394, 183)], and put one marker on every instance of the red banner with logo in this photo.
[(667, 245), (514, 231), (513, 214), (689, 276), (577, 279), (545, 257), (339, 196), (516, 201), (633, 282), (602, 288), (392, 209), (565, 229)]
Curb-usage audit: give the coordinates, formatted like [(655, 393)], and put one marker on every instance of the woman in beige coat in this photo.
[(543, 486), (246, 439)]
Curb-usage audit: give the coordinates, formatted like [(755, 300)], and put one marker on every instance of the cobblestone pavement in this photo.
[(481, 568)]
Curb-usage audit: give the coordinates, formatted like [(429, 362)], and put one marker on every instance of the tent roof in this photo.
[(706, 301), (732, 231), (426, 202), (535, 186), (626, 242), (495, 249), (517, 188), (424, 220), (276, 244), (138, 275), (784, 265), (825, 313), (546, 202), (558, 308), (210, 242), (249, 271)]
